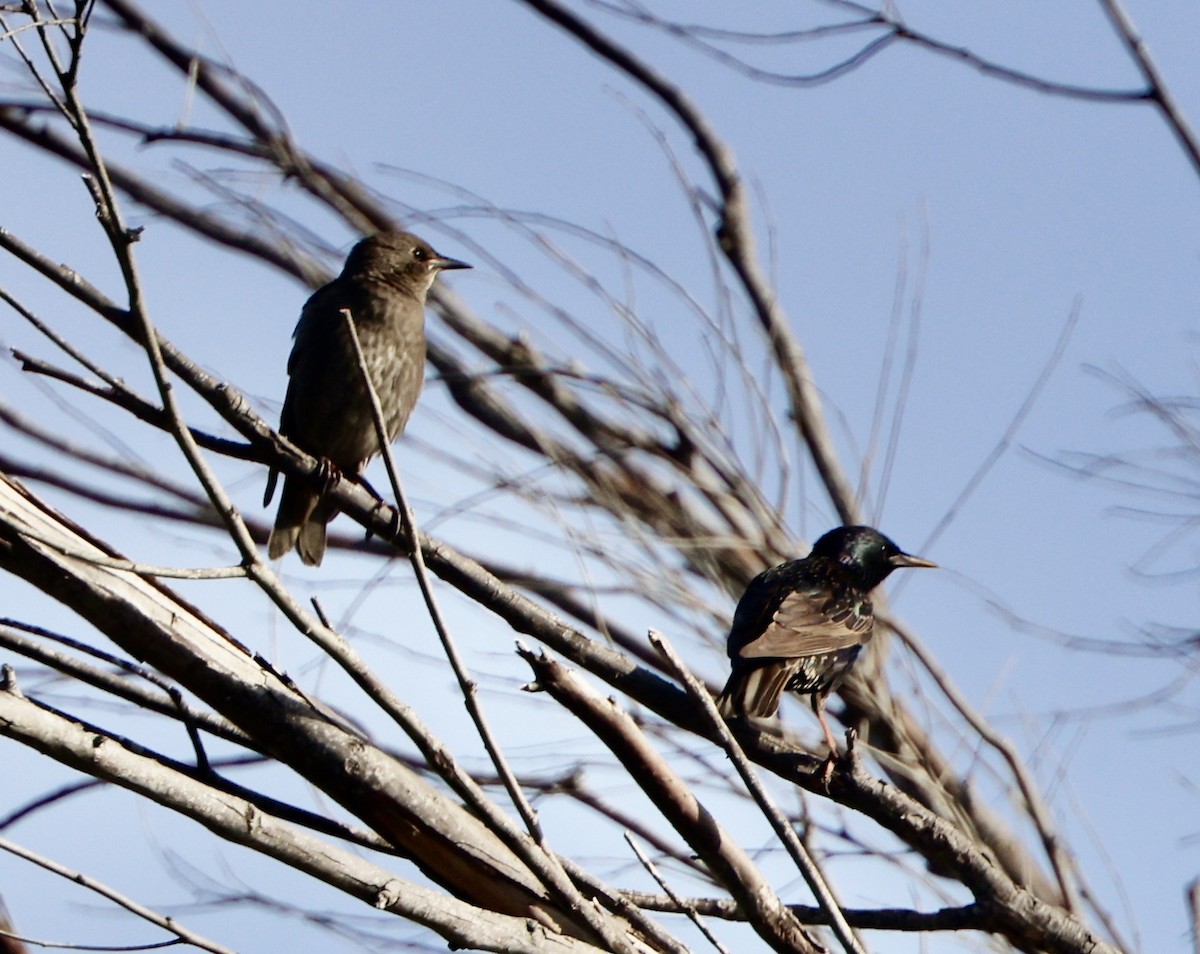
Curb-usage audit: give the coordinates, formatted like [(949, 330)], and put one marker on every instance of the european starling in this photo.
[(801, 625), (327, 411)]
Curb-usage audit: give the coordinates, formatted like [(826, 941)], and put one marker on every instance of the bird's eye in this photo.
[(420, 254)]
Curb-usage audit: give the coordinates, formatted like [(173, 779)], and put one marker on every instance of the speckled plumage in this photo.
[(327, 410), (800, 625)]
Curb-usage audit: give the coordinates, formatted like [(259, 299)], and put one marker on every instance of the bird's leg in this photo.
[(818, 705)]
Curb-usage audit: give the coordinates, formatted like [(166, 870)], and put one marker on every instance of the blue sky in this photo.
[(1002, 210)]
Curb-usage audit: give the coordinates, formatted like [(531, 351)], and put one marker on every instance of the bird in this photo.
[(801, 625), (327, 410)]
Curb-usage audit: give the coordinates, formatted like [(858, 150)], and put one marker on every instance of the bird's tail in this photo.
[(754, 692), (300, 523)]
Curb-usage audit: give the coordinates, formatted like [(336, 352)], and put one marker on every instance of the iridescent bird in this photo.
[(800, 625), (327, 411)]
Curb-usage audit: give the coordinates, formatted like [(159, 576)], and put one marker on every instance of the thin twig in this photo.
[(1193, 900), (113, 683), (540, 861), (560, 883), (1010, 432), (462, 924), (1060, 858), (735, 238), (680, 902), (727, 862), (168, 924), (795, 848), (54, 440), (470, 688), (907, 374), (141, 569), (129, 400), (36, 23), (873, 19), (1159, 92), (121, 239), (59, 341)]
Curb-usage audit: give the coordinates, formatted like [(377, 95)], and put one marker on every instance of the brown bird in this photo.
[(327, 411), (801, 625)]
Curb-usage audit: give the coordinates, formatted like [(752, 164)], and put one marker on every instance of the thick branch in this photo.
[(240, 822), (150, 623)]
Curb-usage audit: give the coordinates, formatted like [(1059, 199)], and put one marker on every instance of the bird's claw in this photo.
[(329, 474), (828, 767), (836, 759), (395, 523)]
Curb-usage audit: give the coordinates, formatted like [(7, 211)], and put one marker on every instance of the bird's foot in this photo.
[(396, 525), (836, 759), (828, 767), (329, 474)]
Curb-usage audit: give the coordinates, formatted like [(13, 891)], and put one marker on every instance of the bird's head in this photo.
[(400, 259), (866, 552)]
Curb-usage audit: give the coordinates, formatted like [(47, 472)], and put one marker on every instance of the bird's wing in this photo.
[(303, 344), (316, 349), (812, 621), (314, 331)]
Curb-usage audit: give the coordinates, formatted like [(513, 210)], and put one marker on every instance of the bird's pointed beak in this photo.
[(907, 559), (443, 264)]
